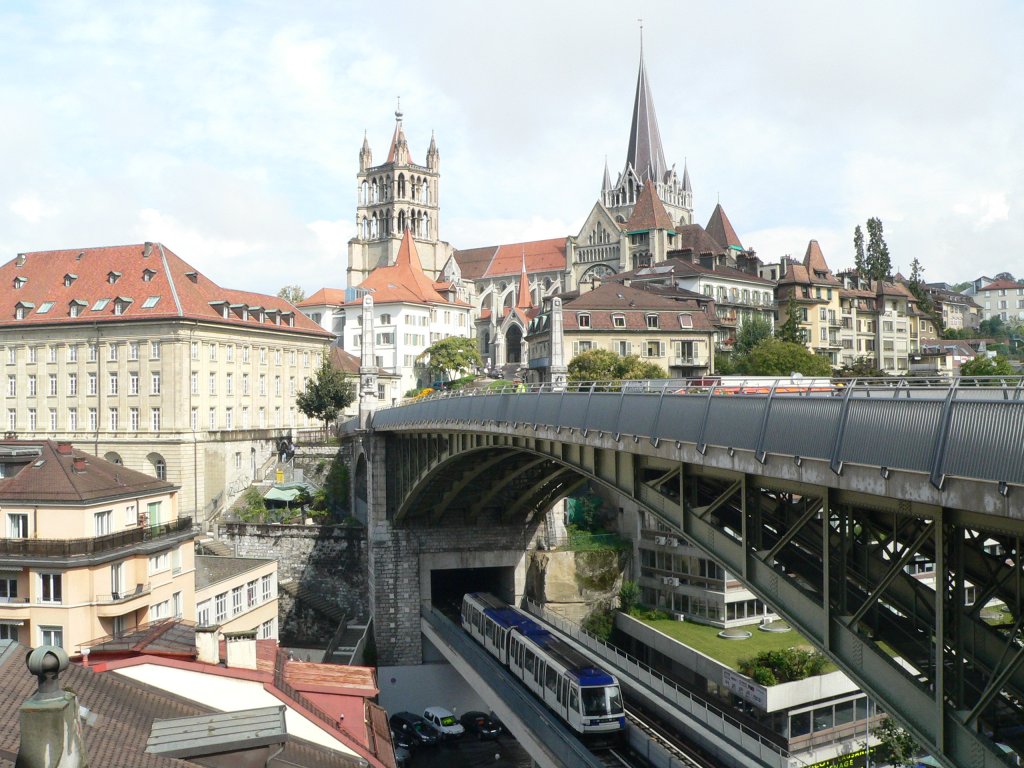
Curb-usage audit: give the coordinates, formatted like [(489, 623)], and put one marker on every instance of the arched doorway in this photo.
[(359, 511), (514, 344)]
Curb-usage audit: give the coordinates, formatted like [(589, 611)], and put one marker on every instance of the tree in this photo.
[(604, 365), (790, 330), (987, 366), (293, 294), (629, 595), (861, 368), (254, 507), (774, 357), (859, 262), (786, 664), (895, 745), (451, 356), (879, 265), (751, 333), (994, 327), (328, 392), (1006, 276)]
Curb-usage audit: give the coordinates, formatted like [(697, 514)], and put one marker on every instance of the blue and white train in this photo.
[(584, 696)]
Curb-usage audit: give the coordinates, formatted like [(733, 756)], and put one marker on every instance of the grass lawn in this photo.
[(706, 640)]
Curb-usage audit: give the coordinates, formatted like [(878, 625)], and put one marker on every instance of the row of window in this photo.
[(652, 320), (77, 306), (71, 424), (213, 350), (238, 600), (681, 350), (34, 352), (91, 384), (229, 384), (737, 296)]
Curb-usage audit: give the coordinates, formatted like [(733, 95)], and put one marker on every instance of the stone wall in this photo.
[(574, 583), (327, 563)]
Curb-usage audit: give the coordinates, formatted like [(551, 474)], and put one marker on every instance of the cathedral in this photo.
[(635, 223)]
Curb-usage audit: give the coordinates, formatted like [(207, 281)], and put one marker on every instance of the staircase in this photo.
[(312, 599), (207, 545)]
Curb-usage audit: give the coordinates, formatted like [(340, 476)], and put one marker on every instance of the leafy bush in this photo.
[(785, 665), (629, 595), (764, 676), (254, 507), (600, 623)]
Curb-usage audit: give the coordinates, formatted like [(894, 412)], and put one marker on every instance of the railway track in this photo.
[(674, 751)]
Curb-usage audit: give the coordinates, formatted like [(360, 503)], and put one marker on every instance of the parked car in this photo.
[(413, 729), (481, 724), (444, 721), (403, 757)]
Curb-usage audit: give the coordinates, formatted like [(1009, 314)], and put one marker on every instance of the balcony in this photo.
[(97, 545), (687, 362), (120, 603)]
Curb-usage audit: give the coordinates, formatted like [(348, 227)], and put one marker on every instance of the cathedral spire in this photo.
[(399, 151), (686, 178), (606, 184), (645, 153), (525, 297)]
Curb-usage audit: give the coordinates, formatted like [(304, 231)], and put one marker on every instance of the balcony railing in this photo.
[(121, 597), (95, 545), (686, 362)]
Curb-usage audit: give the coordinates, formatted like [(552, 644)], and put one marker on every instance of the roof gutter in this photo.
[(170, 280)]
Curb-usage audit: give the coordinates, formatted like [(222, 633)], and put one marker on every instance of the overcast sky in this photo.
[(230, 131)]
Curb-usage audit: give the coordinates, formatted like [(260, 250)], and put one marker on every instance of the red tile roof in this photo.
[(344, 361), (502, 260), (649, 212), (814, 262), (71, 476), (405, 281), (694, 238), (525, 302), (154, 282), (324, 296), (1000, 285), (634, 304), (720, 228)]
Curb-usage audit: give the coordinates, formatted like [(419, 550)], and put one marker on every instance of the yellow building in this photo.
[(815, 291), (133, 352), (237, 594), (89, 548)]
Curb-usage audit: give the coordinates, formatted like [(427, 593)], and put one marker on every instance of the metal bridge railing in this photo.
[(686, 701)]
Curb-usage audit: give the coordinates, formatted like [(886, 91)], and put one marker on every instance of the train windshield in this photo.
[(601, 701)]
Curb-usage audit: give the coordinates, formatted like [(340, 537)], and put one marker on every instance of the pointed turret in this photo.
[(433, 156), (720, 228), (399, 152), (525, 302), (649, 212), (645, 154), (606, 184), (365, 155), (686, 179)]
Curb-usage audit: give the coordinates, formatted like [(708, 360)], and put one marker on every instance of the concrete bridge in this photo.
[(817, 502)]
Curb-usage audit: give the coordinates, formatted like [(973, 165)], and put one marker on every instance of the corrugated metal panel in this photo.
[(892, 433), (681, 418), (986, 440), (735, 422), (802, 426)]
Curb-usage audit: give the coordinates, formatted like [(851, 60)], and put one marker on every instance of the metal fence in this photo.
[(96, 544)]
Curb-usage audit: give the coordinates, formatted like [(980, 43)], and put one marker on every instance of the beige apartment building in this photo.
[(89, 548), (880, 323), (237, 594), (133, 354), (815, 290)]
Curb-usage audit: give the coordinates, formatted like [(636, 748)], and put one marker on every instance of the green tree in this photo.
[(879, 265), (994, 327), (790, 329), (773, 357), (753, 331), (629, 595), (326, 393), (451, 356), (895, 745), (916, 270), (987, 366), (293, 294), (786, 664), (335, 489), (254, 507), (604, 365), (861, 368), (859, 262)]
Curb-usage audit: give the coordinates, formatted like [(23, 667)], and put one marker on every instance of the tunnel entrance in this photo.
[(448, 585)]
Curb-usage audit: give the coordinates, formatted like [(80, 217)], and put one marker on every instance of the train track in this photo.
[(681, 752)]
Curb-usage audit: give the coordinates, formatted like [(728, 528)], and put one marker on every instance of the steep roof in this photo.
[(398, 141), (525, 298), (720, 228), (693, 237), (405, 281), (325, 296), (645, 153), (60, 473), (344, 361), (817, 268), (145, 281), (649, 212), (634, 304), (1001, 285), (506, 260)]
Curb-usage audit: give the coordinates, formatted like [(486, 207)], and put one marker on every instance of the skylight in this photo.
[(150, 302), (45, 307), (100, 304)]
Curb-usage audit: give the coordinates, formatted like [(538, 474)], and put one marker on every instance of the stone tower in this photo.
[(645, 161), (396, 195)]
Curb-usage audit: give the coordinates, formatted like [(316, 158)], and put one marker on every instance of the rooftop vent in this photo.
[(147, 249), (78, 464), (64, 448), (20, 262)]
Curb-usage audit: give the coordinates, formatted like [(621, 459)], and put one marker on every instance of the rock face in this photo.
[(574, 583)]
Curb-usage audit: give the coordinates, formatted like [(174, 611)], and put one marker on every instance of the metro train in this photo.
[(584, 696)]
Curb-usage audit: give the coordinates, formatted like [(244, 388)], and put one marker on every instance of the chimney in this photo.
[(64, 447), (208, 644), (78, 464), (147, 249), (241, 649), (51, 732)]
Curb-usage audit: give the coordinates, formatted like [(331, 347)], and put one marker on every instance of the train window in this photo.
[(538, 673), (551, 679), (574, 702), (529, 661)]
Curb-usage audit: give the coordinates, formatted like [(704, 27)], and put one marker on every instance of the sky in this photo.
[(230, 131)]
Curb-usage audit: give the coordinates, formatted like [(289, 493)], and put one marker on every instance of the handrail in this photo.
[(94, 545)]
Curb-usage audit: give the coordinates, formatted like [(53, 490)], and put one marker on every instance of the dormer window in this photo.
[(69, 279), (113, 277), (193, 276), (121, 304), (21, 309), (685, 320), (618, 321), (652, 321), (75, 307), (19, 282), (290, 316), (148, 274), (583, 320)]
